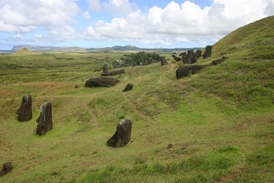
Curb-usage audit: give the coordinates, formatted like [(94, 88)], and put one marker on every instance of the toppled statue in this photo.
[(6, 168), (45, 119), (25, 110), (122, 135), (112, 73), (103, 81)]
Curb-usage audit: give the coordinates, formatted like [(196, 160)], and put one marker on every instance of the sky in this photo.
[(142, 23)]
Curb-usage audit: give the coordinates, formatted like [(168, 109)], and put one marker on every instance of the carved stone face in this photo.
[(128, 87), (122, 135), (25, 110), (105, 68), (45, 119), (7, 167)]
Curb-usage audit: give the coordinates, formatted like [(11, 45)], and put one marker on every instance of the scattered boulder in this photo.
[(122, 135), (45, 119), (7, 167), (113, 73), (25, 110), (163, 61), (77, 86), (207, 52), (128, 87), (103, 81)]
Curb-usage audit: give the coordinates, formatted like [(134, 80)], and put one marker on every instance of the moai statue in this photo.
[(184, 57), (207, 52), (7, 167), (163, 61), (198, 53), (128, 87), (45, 119), (25, 110), (105, 68), (122, 135)]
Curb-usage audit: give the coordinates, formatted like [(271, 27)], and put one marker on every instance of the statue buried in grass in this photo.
[(7, 167), (45, 119), (122, 135), (25, 110)]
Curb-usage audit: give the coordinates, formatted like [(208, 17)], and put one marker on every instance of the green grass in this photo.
[(219, 121)]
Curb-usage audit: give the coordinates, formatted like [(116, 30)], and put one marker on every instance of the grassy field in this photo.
[(220, 121)]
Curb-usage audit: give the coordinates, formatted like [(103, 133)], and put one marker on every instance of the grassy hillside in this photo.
[(219, 121)]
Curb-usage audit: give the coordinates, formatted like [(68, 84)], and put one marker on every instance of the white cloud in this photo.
[(90, 32), (86, 15), (64, 33), (94, 5), (119, 7), (155, 15), (186, 22), (17, 38), (7, 27), (39, 38), (270, 8), (25, 16), (173, 24)]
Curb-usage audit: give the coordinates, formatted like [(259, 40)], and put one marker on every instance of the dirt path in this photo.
[(49, 85), (136, 110), (94, 119), (231, 176)]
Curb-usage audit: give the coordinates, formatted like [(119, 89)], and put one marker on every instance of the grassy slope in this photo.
[(219, 121)]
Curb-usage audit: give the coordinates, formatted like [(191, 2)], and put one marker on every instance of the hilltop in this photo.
[(47, 48), (255, 40), (116, 48), (23, 51), (212, 126)]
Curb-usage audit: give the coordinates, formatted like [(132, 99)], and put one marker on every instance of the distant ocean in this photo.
[(6, 51)]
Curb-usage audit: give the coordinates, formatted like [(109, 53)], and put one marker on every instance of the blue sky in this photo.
[(142, 23)]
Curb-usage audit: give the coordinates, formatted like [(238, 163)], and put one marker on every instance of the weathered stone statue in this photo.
[(163, 61), (176, 58), (193, 69), (112, 73), (45, 119), (198, 53), (25, 110), (188, 70), (103, 81), (207, 52), (122, 135), (128, 87), (6, 168), (105, 68)]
